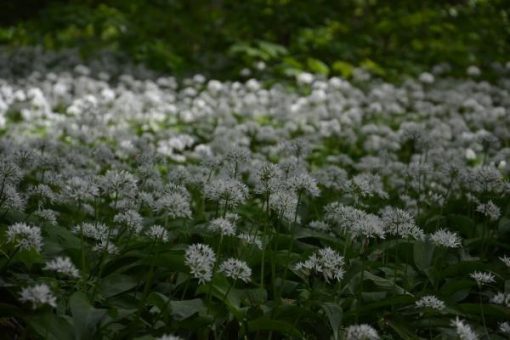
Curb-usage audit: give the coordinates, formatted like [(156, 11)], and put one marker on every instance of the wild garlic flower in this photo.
[(430, 301), (130, 218), (464, 330), (38, 295), (267, 178), (506, 260), (445, 238), (222, 226), (251, 239), (354, 221), (226, 191), (284, 204), (303, 183), (490, 210), (106, 246), (157, 232), (483, 278), (236, 269), (361, 332), (400, 223), (200, 259), (501, 299), (368, 185), (64, 266), (174, 205), (47, 215), (96, 231), (169, 337), (504, 327), (325, 261), (25, 237)]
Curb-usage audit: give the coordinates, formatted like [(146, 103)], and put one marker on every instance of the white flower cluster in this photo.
[(464, 330), (236, 269), (222, 226), (445, 238), (361, 332), (200, 259), (38, 295), (430, 301), (325, 261), (483, 278), (64, 266), (157, 232), (25, 237)]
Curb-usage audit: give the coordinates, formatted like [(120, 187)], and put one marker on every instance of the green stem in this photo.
[(482, 312)]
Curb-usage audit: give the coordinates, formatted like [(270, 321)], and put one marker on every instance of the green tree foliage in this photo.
[(220, 37)]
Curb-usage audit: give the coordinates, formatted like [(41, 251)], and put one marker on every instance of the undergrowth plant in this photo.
[(146, 207)]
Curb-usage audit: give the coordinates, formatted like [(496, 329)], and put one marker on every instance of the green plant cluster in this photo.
[(222, 37)]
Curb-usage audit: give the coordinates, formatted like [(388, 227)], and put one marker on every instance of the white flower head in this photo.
[(222, 226), (169, 337), (483, 278), (325, 261), (490, 210), (501, 299), (445, 238), (504, 327), (106, 246), (63, 265), (38, 295), (130, 218), (506, 260), (200, 259), (229, 192), (157, 232), (25, 237), (464, 330), (361, 332), (236, 269), (400, 223), (430, 301), (251, 239)]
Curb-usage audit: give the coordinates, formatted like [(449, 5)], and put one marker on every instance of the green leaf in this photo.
[(116, 284), (265, 324), (334, 313), (385, 283), (457, 289), (51, 327), (317, 66), (402, 331), (85, 316), (373, 67), (463, 224), (490, 310), (423, 254), (504, 225), (344, 68), (184, 309)]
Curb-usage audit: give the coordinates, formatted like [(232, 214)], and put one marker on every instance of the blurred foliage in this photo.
[(221, 37)]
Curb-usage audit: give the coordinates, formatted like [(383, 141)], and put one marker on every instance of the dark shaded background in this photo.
[(220, 37)]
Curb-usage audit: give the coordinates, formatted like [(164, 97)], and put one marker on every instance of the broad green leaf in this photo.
[(266, 324), (403, 331), (116, 284), (50, 326), (317, 66), (85, 316), (334, 313), (344, 68), (185, 308)]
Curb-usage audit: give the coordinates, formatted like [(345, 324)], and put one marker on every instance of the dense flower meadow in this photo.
[(137, 206)]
